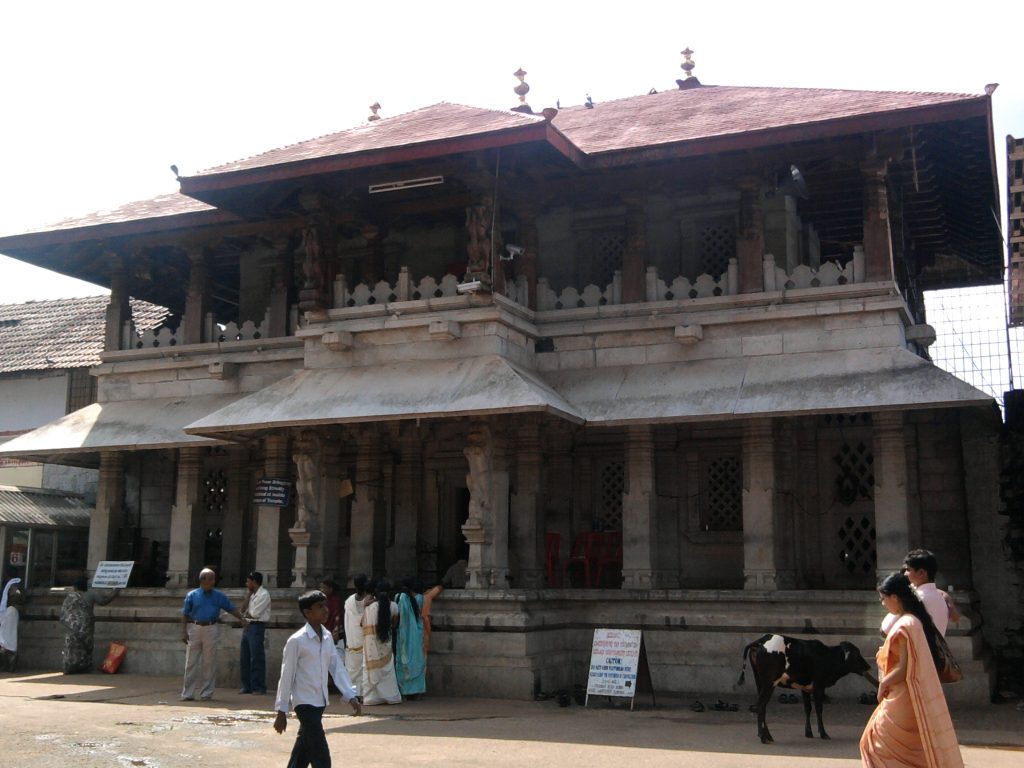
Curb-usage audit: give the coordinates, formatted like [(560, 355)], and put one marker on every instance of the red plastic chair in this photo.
[(611, 555), (552, 548), (584, 553)]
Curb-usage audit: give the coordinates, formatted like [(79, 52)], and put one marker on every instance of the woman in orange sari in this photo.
[(911, 726)]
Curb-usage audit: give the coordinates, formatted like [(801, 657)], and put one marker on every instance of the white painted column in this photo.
[(759, 566), (109, 515), (892, 505), (188, 519), (639, 511)]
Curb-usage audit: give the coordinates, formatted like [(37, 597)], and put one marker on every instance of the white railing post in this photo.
[(340, 291), (403, 288), (732, 280), (769, 272), (858, 263), (652, 283)]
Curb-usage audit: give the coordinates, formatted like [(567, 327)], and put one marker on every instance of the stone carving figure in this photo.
[(312, 263), (306, 486), (479, 453), (478, 245)]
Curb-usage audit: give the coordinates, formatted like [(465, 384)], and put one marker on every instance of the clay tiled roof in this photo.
[(435, 123), (61, 334), (165, 205), (714, 111), (38, 506)]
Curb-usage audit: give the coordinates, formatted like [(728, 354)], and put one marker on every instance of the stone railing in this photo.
[(213, 332), (571, 298), (383, 292), (830, 273), (703, 287)]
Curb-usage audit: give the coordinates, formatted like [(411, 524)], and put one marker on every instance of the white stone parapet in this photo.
[(830, 273)]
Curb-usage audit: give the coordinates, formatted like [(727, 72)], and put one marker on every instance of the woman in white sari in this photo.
[(379, 620)]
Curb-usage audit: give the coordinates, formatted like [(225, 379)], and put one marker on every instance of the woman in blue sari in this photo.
[(410, 661)]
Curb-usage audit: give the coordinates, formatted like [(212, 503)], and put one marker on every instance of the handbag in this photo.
[(115, 655), (945, 664)]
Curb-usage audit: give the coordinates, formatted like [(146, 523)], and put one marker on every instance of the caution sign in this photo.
[(618, 664)]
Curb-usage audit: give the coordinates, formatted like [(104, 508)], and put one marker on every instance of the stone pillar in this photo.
[(759, 565), (527, 512), (279, 291), (486, 528), (118, 309), (197, 300), (364, 504), (811, 573), (634, 265), (639, 511), (109, 515), (401, 556), (892, 507), (268, 518), (331, 508), (750, 238), (232, 545), (558, 503), (188, 521), (528, 261), (877, 238), (305, 534)]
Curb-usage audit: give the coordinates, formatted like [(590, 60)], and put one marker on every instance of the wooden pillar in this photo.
[(877, 238), (188, 520), (279, 292), (197, 301), (750, 238), (892, 507), (759, 563), (527, 512), (118, 309), (368, 493), (639, 511), (269, 518), (634, 266), (401, 557), (237, 500), (109, 515), (318, 262), (528, 261)]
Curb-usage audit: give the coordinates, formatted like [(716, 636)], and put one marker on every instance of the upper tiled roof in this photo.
[(434, 123), (712, 111), (165, 205), (61, 334)]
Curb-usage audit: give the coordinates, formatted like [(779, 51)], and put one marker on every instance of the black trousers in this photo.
[(310, 744)]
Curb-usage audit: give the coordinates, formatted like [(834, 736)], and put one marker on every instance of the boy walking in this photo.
[(309, 657)]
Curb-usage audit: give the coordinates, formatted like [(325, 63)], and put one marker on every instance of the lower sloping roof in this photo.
[(769, 385), (124, 425), (40, 506), (430, 389)]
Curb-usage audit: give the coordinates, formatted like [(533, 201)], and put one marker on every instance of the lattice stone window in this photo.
[(609, 510), (857, 545), (722, 494), (717, 243), (855, 477), (215, 491), (607, 252)]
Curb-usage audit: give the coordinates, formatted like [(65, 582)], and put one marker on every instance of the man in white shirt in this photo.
[(252, 661), (920, 567), (309, 657)]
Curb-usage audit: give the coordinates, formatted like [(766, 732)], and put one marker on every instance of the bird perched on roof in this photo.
[(174, 170), (589, 103)]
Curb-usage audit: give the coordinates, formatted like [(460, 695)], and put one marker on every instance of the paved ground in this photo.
[(83, 721)]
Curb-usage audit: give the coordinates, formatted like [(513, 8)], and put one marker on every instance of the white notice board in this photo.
[(614, 660), (112, 574)]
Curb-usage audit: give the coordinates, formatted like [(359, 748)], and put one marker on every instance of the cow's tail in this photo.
[(743, 669)]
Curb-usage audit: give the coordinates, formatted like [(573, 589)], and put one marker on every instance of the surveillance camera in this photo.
[(515, 250), (470, 287)]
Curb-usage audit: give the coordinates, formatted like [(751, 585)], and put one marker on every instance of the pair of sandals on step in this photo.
[(718, 706)]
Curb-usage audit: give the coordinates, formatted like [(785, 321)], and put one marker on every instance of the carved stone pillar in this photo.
[(331, 505), (639, 511), (479, 241), (634, 264), (401, 556), (486, 528), (750, 238), (279, 291), (118, 309), (197, 301), (109, 515), (318, 244), (305, 534), (269, 518), (892, 505), (237, 500), (558, 502), (877, 237), (527, 512), (368, 493), (188, 520), (759, 563)]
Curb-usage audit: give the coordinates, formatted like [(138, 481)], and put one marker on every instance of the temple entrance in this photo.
[(453, 505)]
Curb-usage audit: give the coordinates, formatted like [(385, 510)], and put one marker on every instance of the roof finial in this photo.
[(374, 108), (687, 66), (521, 90)]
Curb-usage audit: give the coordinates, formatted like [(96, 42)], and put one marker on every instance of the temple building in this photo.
[(657, 363)]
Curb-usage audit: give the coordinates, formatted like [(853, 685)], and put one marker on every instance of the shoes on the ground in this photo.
[(244, 690), (188, 698), (205, 698), (260, 693), (722, 706), (697, 707)]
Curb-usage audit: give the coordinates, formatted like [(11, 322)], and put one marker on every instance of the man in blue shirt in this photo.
[(200, 632)]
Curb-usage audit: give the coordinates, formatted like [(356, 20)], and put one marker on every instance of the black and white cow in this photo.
[(807, 665)]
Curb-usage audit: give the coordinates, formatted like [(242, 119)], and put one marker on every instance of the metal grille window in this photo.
[(215, 492), (722, 494), (717, 243), (613, 483), (81, 389), (857, 545)]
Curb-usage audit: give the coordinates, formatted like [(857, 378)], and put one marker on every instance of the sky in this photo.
[(99, 99)]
